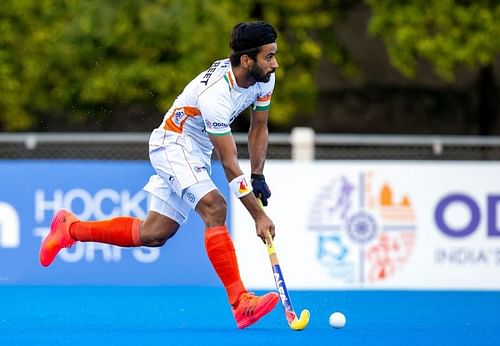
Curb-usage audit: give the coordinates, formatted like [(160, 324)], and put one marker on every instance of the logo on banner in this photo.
[(458, 216), (103, 204), (366, 228), (10, 232)]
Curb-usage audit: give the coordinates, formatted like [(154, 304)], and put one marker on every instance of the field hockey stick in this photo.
[(293, 321), (296, 323)]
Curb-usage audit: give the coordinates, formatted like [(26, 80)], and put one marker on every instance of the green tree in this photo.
[(307, 36), (118, 64), (92, 64), (98, 65), (448, 34)]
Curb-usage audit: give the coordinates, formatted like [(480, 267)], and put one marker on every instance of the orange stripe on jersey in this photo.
[(176, 119)]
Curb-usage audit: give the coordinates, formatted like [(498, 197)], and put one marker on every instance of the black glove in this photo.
[(260, 188)]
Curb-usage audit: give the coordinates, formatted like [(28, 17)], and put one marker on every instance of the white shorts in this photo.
[(182, 178), (165, 201)]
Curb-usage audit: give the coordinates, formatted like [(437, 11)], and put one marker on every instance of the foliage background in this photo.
[(116, 65)]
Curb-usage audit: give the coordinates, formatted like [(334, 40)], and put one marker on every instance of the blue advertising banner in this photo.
[(30, 193)]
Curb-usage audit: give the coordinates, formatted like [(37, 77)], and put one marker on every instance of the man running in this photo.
[(180, 150)]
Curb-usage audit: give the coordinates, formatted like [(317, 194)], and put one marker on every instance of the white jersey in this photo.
[(208, 105), (180, 150)]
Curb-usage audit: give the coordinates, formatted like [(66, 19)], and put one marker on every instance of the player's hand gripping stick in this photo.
[(296, 323)]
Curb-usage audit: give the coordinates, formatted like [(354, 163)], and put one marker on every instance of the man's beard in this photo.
[(259, 75)]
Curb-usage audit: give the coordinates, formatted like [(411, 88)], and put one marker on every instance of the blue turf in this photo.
[(117, 315)]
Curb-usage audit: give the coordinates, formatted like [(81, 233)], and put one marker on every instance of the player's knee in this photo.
[(219, 208), (213, 210), (157, 242), (155, 237), (154, 240)]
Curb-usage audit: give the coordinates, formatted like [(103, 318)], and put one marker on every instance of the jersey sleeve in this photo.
[(215, 109), (263, 102)]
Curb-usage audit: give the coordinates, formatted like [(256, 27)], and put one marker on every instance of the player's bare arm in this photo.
[(258, 141), (257, 148), (225, 148)]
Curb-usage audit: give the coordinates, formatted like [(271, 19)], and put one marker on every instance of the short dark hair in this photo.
[(247, 38), (235, 57)]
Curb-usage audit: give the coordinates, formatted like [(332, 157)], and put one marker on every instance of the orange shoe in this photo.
[(250, 308), (58, 237)]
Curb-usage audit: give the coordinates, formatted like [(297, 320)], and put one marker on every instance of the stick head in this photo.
[(302, 322)]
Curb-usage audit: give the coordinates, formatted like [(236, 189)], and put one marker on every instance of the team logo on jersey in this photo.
[(179, 117), (366, 232)]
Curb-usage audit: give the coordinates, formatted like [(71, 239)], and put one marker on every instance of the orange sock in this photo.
[(121, 231), (220, 250)]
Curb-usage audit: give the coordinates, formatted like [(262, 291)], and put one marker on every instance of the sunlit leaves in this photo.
[(446, 33)]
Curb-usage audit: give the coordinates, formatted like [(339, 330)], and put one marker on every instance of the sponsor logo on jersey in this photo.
[(216, 125)]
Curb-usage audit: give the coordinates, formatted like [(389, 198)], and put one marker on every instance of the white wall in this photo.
[(328, 239)]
